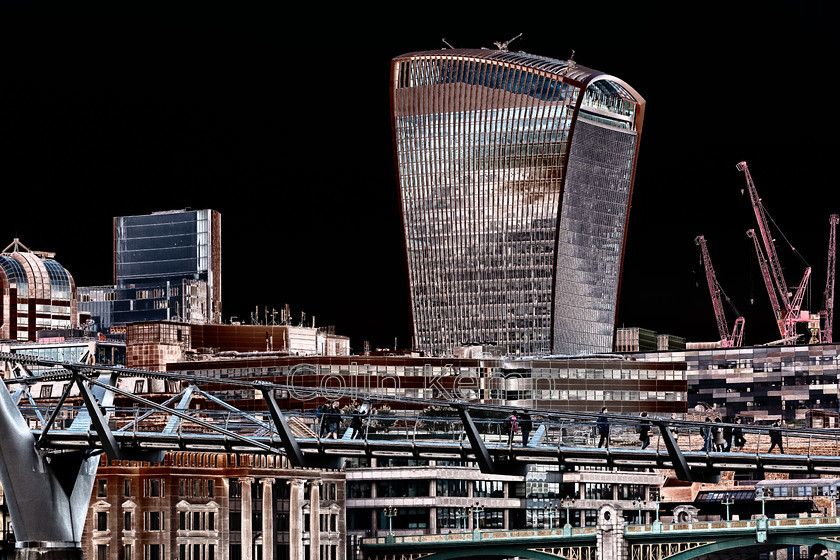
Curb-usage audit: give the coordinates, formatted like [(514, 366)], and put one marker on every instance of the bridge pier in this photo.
[(47, 494), (610, 525)]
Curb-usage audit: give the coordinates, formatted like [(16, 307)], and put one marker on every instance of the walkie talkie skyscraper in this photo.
[(515, 173)]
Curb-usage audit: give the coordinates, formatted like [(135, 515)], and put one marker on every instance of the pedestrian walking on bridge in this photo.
[(644, 431), (603, 425), (776, 437)]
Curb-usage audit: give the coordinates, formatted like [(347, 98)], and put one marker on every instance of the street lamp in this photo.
[(476, 509), (728, 501), (834, 496), (461, 513), (762, 494), (639, 504), (390, 512), (567, 503), (550, 510), (762, 524)]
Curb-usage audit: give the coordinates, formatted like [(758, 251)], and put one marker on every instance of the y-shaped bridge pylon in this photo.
[(48, 494)]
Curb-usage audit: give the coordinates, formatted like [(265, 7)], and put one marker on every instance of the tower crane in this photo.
[(778, 312), (788, 314), (827, 312), (727, 339)]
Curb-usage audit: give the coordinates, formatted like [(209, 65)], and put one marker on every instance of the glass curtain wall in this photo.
[(481, 148), (483, 144)]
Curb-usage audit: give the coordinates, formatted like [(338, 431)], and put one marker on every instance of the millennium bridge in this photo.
[(50, 451)]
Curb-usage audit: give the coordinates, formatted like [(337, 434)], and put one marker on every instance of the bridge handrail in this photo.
[(480, 535), (739, 524)]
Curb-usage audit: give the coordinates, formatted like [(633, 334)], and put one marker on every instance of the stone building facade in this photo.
[(210, 506)]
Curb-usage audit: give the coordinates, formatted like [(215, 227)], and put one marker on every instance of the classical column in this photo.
[(315, 520), (247, 516), (296, 518), (269, 539)]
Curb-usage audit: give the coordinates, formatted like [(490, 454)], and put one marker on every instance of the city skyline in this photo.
[(105, 117)]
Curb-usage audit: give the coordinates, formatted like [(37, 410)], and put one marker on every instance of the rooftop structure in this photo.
[(515, 173), (36, 292)]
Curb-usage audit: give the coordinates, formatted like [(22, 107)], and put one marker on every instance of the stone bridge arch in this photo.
[(558, 553), (750, 547)]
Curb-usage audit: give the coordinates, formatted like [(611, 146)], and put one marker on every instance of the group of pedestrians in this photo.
[(715, 437), (328, 420), (731, 438)]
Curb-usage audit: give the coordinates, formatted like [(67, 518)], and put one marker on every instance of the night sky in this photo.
[(280, 120)]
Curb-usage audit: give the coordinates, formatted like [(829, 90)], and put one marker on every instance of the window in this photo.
[(46, 391), (235, 522), (127, 487), (127, 521), (155, 523), (102, 552), (235, 489), (102, 521), (101, 488)]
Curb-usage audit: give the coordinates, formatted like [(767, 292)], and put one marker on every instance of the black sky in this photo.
[(280, 120)]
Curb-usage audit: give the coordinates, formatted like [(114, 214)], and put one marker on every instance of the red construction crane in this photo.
[(727, 339), (828, 296), (778, 312), (789, 312)]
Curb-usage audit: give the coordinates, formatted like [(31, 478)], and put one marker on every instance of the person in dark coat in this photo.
[(603, 425), (320, 419), (644, 431), (333, 419), (718, 439), (356, 421), (776, 437), (738, 439), (706, 430), (525, 425)]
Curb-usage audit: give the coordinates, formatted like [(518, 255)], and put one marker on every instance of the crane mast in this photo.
[(772, 258), (788, 314), (727, 340), (778, 312), (828, 303)]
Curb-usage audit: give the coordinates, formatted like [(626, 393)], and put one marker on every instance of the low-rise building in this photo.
[(210, 506)]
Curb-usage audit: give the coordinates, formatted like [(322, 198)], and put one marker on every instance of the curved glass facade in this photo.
[(35, 293), (501, 245)]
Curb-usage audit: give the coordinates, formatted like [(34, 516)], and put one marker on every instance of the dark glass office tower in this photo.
[(515, 175), (167, 265)]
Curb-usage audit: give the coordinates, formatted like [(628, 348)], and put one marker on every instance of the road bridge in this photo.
[(49, 457), (613, 538)]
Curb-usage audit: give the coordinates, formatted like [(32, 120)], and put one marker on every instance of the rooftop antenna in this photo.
[(504, 46), (572, 59), (445, 42)]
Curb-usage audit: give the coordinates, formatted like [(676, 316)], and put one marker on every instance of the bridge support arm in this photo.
[(681, 468), (293, 451), (99, 421), (482, 456)]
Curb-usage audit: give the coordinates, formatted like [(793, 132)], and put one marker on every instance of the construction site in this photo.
[(793, 322)]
